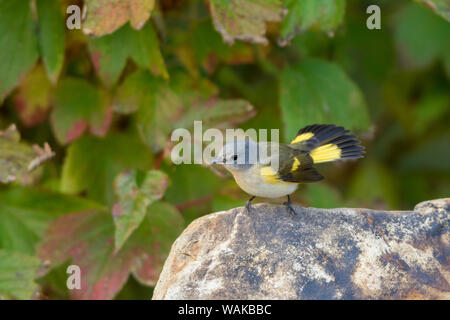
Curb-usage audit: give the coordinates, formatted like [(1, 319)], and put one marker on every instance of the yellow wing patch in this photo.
[(295, 165), (325, 153), (303, 137), (269, 175)]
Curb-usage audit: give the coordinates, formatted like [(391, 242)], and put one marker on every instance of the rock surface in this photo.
[(318, 254)]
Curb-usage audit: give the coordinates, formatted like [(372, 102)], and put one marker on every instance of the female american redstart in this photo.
[(278, 171)]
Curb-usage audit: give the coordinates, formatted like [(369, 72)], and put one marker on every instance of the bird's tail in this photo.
[(328, 143)]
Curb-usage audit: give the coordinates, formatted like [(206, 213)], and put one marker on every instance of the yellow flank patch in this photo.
[(325, 153), (295, 165), (303, 137), (269, 175)]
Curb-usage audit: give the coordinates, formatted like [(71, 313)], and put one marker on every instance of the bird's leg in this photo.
[(289, 207), (248, 205)]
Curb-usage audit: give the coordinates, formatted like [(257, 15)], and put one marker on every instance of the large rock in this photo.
[(319, 254)]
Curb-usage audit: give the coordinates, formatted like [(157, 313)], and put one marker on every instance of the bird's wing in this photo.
[(293, 166)]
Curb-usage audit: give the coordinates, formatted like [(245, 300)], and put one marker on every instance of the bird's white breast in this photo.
[(252, 182)]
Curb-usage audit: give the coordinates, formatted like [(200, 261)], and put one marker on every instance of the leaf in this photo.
[(323, 196), (106, 16), (245, 19), (91, 164), (374, 186), (32, 100), (163, 108), (17, 273), (316, 91), (432, 155), (441, 7), (25, 214), (18, 43), (158, 106), (420, 44), (51, 36), (110, 53), (18, 158), (217, 113), (135, 191), (326, 15), (88, 240), (430, 110), (79, 106), (209, 49)]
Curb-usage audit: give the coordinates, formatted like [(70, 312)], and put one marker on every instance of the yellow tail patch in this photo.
[(302, 137), (325, 153)]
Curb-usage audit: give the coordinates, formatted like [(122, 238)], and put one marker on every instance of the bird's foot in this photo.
[(248, 205), (289, 207)]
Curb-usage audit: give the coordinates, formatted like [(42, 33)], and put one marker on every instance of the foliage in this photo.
[(106, 195)]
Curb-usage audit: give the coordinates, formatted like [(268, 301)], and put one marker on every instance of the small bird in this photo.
[(294, 162)]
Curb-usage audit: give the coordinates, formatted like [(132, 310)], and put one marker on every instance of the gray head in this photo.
[(238, 155)]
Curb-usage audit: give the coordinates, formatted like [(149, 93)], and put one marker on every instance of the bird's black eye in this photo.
[(235, 157)]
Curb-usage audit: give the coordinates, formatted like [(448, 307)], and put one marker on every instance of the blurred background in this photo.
[(107, 97)]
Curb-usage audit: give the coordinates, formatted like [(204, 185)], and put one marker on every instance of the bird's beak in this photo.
[(216, 161)]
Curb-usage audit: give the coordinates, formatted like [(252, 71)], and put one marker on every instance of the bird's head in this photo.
[(237, 155)]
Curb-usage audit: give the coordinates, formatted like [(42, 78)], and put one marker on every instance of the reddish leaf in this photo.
[(109, 53), (106, 16), (32, 100), (135, 190), (88, 240), (245, 19), (78, 106)]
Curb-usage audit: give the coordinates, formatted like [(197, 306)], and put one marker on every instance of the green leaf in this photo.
[(245, 19), (110, 53), (88, 240), (91, 164), (325, 15), (430, 110), (422, 43), (209, 49), (217, 113), (33, 98), (78, 106), (322, 196), (135, 191), (441, 7), (17, 273), (374, 186), (316, 91), (51, 36), (25, 214), (183, 177), (106, 16), (432, 155), (18, 158), (162, 108), (18, 43)]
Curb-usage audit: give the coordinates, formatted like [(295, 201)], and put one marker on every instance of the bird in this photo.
[(279, 171)]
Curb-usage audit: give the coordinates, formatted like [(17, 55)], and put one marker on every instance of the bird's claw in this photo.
[(290, 209), (248, 205)]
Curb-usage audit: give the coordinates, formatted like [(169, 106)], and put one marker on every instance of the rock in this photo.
[(318, 254)]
